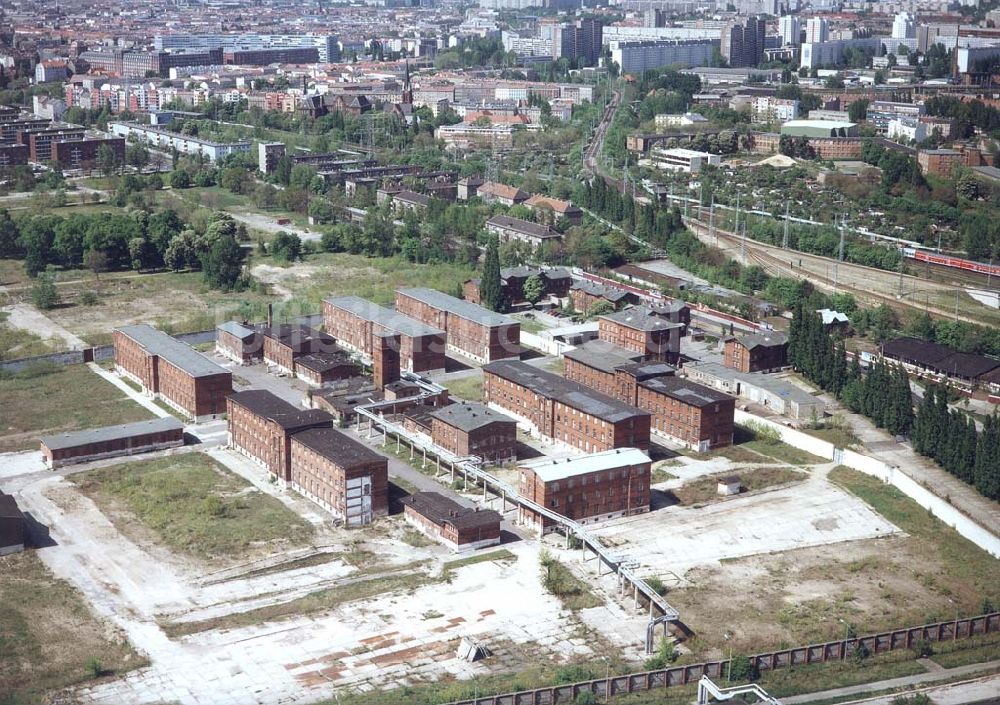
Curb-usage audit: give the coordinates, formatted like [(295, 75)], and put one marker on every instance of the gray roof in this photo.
[(172, 350), (525, 227), (458, 307), (685, 390), (641, 318), (444, 510), (59, 441), (237, 329), (572, 394), (602, 355), (386, 317), (611, 293), (766, 340), (345, 452), (469, 416), (262, 402)]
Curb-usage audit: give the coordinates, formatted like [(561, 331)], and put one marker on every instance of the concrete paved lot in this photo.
[(811, 513)]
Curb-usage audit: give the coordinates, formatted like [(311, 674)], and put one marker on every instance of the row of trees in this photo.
[(133, 239), (882, 394), (950, 438)]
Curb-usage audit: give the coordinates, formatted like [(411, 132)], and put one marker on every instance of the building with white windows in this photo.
[(166, 140), (686, 160), (790, 29)]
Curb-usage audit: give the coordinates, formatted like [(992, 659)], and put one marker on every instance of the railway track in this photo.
[(777, 266)]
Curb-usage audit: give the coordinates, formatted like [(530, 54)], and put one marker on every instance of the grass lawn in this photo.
[(783, 452), (193, 505), (955, 568), (17, 343), (560, 581), (556, 366), (704, 490), (176, 302), (531, 325), (840, 437), (56, 399), (469, 388), (48, 637), (376, 279)]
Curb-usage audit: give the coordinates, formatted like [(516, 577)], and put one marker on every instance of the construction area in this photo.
[(230, 573)]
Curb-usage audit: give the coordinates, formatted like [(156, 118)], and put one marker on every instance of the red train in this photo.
[(949, 261)]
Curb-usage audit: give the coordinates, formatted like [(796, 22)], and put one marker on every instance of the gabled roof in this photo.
[(168, 348), (492, 188), (552, 469), (539, 201), (72, 439), (442, 510), (641, 318), (525, 227)]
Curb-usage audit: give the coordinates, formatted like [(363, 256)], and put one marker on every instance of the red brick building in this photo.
[(13, 529), (340, 474), (590, 488), (688, 413), (611, 370), (326, 367), (458, 527), (283, 344), (757, 352), (40, 140), (83, 153), (556, 282), (939, 162), (240, 342), (261, 426), (172, 371), (470, 329), (354, 322), (565, 411), (585, 294), (13, 155), (640, 330), (493, 192), (468, 428), (111, 441)]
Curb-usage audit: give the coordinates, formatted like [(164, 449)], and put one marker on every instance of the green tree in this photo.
[(534, 288), (286, 247), (223, 263), (44, 293), (858, 110), (107, 160), (180, 179), (490, 286)]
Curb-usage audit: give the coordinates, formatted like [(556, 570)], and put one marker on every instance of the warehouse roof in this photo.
[(442, 510), (602, 355), (572, 394), (458, 307), (270, 406), (168, 348), (764, 340), (385, 317), (641, 318), (72, 439), (685, 390), (335, 446), (469, 416), (550, 469)]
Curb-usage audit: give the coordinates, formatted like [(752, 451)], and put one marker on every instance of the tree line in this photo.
[(951, 439), (133, 239), (882, 394)]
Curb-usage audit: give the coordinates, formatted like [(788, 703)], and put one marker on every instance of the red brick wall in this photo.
[(597, 494), (738, 357), (324, 479), (592, 377), (656, 344), (496, 442), (690, 424), (134, 359), (472, 338), (117, 445), (258, 438), (419, 354)]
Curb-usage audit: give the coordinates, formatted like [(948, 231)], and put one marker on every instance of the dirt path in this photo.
[(27, 317), (271, 225)]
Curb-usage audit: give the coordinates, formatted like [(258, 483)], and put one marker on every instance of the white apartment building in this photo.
[(817, 30), (907, 129), (686, 160), (790, 29), (770, 109)]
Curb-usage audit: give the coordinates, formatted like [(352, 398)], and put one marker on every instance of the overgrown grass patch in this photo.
[(318, 601), (56, 398), (469, 388), (560, 581), (705, 489), (967, 575), (48, 634), (194, 506)]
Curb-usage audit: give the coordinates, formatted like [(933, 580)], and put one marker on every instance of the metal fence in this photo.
[(883, 642)]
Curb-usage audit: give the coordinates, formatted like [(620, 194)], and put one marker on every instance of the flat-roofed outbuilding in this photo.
[(112, 441)]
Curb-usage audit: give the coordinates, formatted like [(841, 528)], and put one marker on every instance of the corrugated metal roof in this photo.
[(551, 469), (71, 439)]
